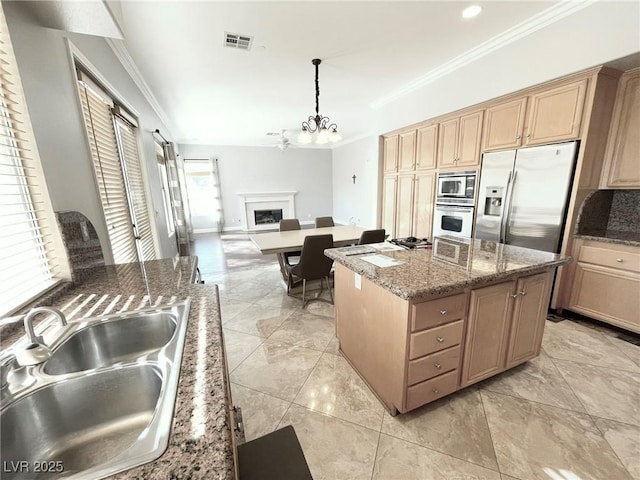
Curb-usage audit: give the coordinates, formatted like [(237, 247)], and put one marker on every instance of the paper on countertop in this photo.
[(381, 260), (385, 246)]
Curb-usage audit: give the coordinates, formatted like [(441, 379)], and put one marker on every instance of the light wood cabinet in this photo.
[(390, 154), (606, 283), (407, 151), (546, 116), (622, 158), (459, 141), (423, 200), (427, 147), (404, 207), (389, 194)]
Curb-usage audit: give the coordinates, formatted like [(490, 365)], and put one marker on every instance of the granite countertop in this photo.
[(423, 274), (613, 236), (200, 444)]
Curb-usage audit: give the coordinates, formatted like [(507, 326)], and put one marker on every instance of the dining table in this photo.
[(293, 240)]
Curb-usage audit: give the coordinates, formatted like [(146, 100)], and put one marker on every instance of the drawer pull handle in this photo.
[(523, 293), (437, 365), (619, 260), (443, 312), (436, 391), (440, 339)]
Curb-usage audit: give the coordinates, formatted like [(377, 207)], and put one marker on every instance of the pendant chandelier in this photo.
[(325, 131)]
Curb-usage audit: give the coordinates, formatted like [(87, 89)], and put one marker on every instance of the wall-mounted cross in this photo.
[(354, 178)]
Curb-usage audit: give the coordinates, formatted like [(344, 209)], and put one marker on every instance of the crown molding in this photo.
[(122, 54), (543, 19)]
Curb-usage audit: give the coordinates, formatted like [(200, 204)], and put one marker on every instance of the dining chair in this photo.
[(372, 236), (287, 224), (324, 222), (313, 265)]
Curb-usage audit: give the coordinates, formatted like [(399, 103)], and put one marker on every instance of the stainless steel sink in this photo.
[(102, 403), (111, 342)]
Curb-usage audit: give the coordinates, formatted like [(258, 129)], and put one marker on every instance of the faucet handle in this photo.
[(7, 364)]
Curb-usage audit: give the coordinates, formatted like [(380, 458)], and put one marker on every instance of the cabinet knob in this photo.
[(437, 365), (523, 293), (440, 339), (515, 295), (528, 135), (436, 391), (443, 312), (518, 137), (619, 260)]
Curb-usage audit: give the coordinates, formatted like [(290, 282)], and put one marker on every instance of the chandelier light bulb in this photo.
[(323, 136), (304, 137), (334, 136)]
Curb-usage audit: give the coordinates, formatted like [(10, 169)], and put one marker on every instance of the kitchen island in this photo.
[(440, 320), (201, 440)]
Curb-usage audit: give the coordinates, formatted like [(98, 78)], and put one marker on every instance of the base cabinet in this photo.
[(412, 353)]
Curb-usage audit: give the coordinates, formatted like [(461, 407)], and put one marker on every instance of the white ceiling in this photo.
[(369, 50)]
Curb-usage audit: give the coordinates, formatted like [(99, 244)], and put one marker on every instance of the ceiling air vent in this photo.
[(234, 40)]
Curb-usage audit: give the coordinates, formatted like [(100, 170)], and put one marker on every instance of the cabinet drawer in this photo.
[(610, 258), (431, 390), (435, 339), (433, 365), (437, 312)]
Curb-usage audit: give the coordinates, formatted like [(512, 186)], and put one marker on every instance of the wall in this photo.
[(356, 202), (50, 91), (267, 169)]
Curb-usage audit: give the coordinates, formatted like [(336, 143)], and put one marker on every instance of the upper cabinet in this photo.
[(427, 147), (459, 141), (546, 116), (407, 151), (390, 154), (622, 158)]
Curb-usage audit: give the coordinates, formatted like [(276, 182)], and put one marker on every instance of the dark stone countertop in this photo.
[(423, 274), (200, 444), (614, 236)]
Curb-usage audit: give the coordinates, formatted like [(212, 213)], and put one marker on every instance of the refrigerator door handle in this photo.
[(509, 207), (504, 215)]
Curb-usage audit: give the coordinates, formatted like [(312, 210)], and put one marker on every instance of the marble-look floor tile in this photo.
[(334, 346), (230, 310), (239, 346), (336, 389), (305, 330), (629, 349), (604, 392), (260, 321), (261, 413), (537, 380), (397, 459), (278, 369), (455, 425), (334, 449), (571, 341), (534, 441), (321, 308), (625, 441), (507, 477), (279, 298), (249, 292)]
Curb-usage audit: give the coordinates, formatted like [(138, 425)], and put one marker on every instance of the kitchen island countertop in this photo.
[(200, 445)]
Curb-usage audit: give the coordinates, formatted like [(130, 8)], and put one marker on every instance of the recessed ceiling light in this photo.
[(471, 11)]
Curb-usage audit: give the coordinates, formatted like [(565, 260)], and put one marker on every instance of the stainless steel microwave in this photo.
[(456, 188)]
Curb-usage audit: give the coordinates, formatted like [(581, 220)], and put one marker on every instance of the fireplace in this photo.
[(264, 217)]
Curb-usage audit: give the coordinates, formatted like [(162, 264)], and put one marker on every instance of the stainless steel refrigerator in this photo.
[(523, 195)]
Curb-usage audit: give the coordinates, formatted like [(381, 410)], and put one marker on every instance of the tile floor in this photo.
[(573, 413)]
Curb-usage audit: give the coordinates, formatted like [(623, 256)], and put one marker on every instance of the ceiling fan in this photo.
[(283, 141)]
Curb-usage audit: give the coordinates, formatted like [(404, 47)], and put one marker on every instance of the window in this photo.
[(164, 184), (32, 253), (112, 138)]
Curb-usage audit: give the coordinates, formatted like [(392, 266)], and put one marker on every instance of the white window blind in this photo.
[(31, 259)]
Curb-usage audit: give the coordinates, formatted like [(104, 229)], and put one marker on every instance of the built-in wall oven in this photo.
[(455, 197)]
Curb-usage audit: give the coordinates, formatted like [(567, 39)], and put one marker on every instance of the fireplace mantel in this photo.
[(252, 201)]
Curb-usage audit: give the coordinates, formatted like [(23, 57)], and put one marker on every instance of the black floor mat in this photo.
[(275, 456)]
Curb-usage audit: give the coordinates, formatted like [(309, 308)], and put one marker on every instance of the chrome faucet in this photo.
[(37, 352)]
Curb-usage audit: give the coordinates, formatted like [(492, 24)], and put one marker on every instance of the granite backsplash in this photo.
[(610, 214)]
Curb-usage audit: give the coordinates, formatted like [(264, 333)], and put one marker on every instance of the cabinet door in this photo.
[(405, 206), (529, 315), (469, 141), (448, 143), (556, 114), (623, 148), (389, 186), (390, 154), (487, 332), (427, 147), (407, 152), (423, 204), (503, 125), (607, 294)]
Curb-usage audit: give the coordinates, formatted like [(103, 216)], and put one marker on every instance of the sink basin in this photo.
[(81, 422), (102, 403), (111, 342)]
